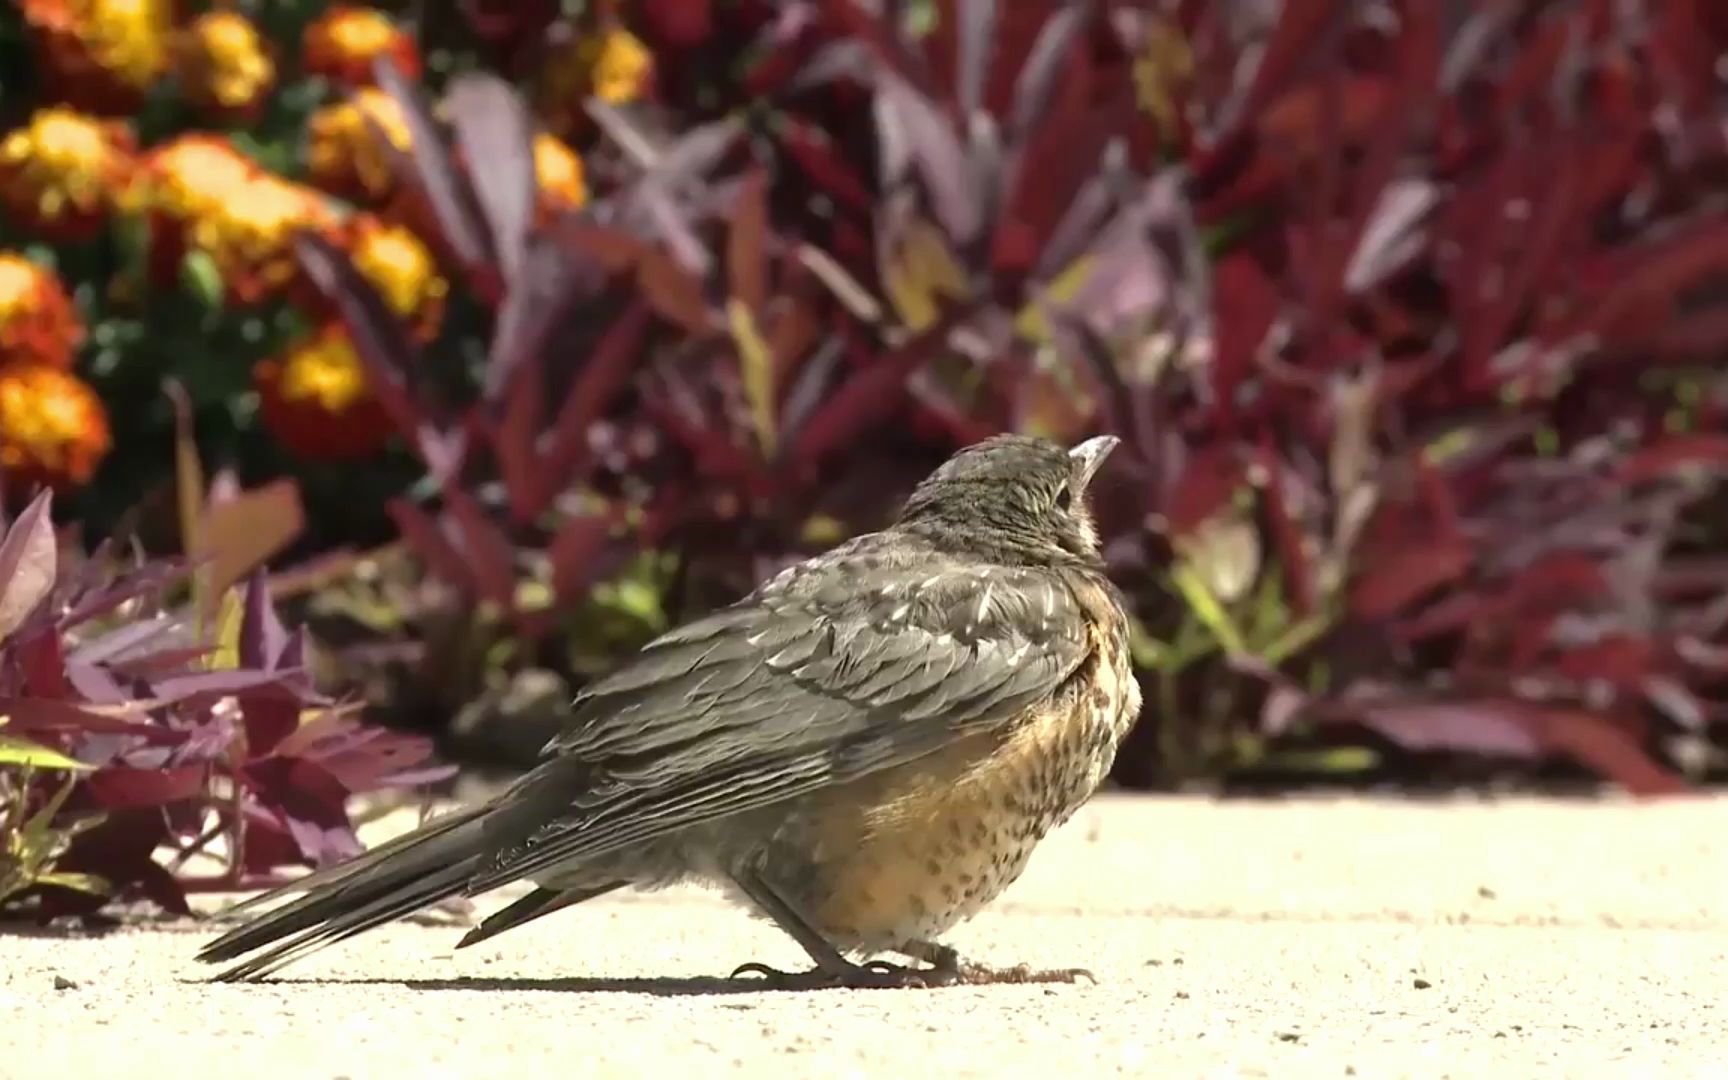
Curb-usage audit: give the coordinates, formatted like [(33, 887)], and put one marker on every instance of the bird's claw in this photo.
[(875, 975)]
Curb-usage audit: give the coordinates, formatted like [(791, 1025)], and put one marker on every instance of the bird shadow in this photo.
[(694, 986)]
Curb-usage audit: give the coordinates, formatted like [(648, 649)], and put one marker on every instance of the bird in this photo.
[(864, 750)]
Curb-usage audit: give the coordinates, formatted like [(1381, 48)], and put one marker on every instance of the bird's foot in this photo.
[(875, 975)]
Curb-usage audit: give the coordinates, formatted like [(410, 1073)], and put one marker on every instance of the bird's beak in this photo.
[(1089, 456)]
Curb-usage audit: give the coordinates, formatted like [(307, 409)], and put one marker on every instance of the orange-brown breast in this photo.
[(906, 853)]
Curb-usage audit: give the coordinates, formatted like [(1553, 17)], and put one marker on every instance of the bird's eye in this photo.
[(1063, 499)]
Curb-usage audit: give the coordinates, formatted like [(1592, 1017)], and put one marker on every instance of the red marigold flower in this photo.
[(315, 399), (60, 171), (101, 55), (53, 428), (612, 65), (344, 155), (342, 43), (224, 65), (38, 324)]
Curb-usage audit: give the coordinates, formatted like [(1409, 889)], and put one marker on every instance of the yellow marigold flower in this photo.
[(344, 156), (251, 238), (224, 65), (401, 267), (192, 175), (38, 324), (612, 65), (342, 43), (53, 429), (59, 173), (557, 168), (316, 401), (101, 55)]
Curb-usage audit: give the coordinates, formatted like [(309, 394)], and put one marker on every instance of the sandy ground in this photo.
[(1284, 939)]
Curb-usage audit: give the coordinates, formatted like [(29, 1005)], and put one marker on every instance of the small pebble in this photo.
[(61, 982), (1421, 984)]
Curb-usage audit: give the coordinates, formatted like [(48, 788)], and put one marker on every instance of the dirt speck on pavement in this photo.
[(1325, 938)]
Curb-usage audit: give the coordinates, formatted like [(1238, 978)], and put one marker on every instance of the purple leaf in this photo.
[(485, 548), (870, 395), (574, 554), (977, 37), (428, 541), (262, 635), (609, 367), (557, 277), (27, 563), (310, 804), (380, 340), (47, 714), (496, 137), (122, 788), (437, 177)]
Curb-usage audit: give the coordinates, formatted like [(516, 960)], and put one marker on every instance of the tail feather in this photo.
[(540, 902), (399, 878)]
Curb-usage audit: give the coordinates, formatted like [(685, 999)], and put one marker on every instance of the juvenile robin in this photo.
[(865, 749)]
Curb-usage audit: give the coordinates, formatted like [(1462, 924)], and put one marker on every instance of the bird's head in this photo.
[(1022, 497)]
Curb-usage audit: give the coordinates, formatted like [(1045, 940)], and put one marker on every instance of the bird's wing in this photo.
[(835, 670)]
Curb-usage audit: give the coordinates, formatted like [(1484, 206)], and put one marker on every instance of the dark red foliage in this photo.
[(94, 663), (1409, 314)]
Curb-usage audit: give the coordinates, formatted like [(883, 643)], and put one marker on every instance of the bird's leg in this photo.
[(832, 970), (947, 967)]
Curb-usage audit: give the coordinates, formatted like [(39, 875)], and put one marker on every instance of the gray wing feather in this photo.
[(816, 679)]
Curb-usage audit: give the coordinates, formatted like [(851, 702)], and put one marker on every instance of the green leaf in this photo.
[(85, 883), (29, 755), (202, 278)]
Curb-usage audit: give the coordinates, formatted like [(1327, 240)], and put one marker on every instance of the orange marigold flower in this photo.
[(53, 429), (38, 324), (612, 65), (342, 43), (557, 168), (59, 173), (101, 55), (192, 175), (251, 238), (401, 267), (316, 401), (344, 155), (223, 64)]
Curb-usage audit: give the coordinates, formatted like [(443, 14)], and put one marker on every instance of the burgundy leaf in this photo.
[(380, 340), (557, 277), (28, 556), (870, 395), (977, 33), (607, 370), (309, 802), (268, 719), (574, 554), (47, 714), (746, 244), (211, 685), (120, 788), (495, 136), (1393, 582), (485, 548), (1676, 453), (262, 635), (437, 178), (427, 540)]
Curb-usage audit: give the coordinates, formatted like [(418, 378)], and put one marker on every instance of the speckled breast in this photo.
[(905, 854)]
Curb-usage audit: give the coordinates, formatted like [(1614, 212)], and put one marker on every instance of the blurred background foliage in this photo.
[(508, 334)]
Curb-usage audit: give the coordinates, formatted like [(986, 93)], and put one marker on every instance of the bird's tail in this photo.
[(415, 871)]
